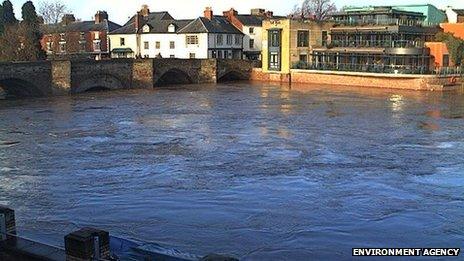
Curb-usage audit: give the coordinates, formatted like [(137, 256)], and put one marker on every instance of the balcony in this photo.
[(378, 43), (384, 22), (367, 68)]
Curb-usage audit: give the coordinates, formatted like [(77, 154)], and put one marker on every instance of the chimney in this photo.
[(269, 14), (138, 21), (67, 19), (100, 17), (229, 14), (257, 12), (145, 11), (208, 13)]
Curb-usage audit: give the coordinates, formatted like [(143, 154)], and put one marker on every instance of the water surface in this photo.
[(258, 171)]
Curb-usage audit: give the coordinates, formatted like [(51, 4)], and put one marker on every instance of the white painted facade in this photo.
[(123, 41), (252, 34), (452, 15), (172, 45)]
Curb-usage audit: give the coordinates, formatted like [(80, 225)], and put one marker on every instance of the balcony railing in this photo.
[(387, 21), (369, 68), (378, 43)]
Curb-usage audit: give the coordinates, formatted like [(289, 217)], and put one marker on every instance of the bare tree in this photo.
[(317, 9), (52, 11)]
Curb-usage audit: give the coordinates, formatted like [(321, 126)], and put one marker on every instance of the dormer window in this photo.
[(172, 28), (146, 28)]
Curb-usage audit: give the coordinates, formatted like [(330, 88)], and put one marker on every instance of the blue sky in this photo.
[(119, 10)]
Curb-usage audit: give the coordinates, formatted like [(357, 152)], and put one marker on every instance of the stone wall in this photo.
[(406, 82)]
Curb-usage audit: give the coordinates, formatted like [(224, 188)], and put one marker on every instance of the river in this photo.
[(259, 171)]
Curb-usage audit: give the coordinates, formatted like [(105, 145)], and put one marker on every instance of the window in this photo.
[(274, 61), (324, 38), (237, 39), (172, 45), (192, 39), (251, 30), (219, 54), (274, 38), (146, 45), (192, 55), (157, 45), (82, 36), (172, 28), (303, 39), (213, 54), (49, 46), (229, 39), (62, 37), (122, 41), (303, 58), (252, 43), (82, 46), (446, 60), (97, 45), (62, 47), (219, 39), (97, 35)]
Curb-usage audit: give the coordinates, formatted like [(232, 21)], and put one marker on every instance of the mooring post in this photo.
[(87, 244), (7, 223)]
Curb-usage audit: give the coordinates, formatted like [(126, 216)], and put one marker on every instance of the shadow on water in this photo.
[(173, 76), (97, 89)]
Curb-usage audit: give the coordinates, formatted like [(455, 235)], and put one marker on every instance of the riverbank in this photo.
[(361, 79)]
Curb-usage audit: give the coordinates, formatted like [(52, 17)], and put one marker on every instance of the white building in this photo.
[(159, 35), (455, 15), (251, 26)]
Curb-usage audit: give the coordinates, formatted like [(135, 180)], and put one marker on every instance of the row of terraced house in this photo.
[(382, 39)]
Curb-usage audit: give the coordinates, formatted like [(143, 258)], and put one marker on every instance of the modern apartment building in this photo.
[(377, 39)]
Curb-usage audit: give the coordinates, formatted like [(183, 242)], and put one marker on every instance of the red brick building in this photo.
[(78, 39)]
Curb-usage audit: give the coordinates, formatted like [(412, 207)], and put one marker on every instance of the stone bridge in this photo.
[(48, 78)]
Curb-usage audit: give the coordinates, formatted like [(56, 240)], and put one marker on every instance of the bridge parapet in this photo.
[(61, 77)]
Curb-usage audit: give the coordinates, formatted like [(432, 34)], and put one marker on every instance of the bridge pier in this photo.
[(61, 77)]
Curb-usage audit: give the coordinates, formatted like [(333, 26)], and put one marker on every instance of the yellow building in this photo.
[(288, 43)]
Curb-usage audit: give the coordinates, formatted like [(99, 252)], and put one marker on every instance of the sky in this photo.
[(120, 10)]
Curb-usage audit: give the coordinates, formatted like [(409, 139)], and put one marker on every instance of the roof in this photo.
[(80, 26), (218, 24), (459, 11), (158, 21), (122, 50), (152, 16), (253, 20), (376, 10)]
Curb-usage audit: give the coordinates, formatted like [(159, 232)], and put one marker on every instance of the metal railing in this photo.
[(449, 71), (383, 21), (368, 68), (378, 43)]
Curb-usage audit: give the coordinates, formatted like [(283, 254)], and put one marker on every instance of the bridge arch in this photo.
[(19, 88), (173, 76), (232, 75), (98, 82)]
